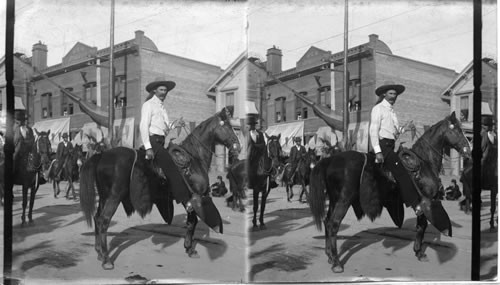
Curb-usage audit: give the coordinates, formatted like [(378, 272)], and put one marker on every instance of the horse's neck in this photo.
[(430, 151), (199, 148)]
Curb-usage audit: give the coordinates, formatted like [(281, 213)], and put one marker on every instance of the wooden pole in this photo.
[(111, 105), (346, 78)]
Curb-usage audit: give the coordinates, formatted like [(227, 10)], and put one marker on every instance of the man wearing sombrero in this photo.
[(154, 127), (384, 131)]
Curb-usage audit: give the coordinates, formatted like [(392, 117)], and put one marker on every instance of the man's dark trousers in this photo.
[(392, 162), (175, 181)]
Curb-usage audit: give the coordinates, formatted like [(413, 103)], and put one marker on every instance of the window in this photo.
[(304, 113), (66, 104), (120, 91), (230, 99), (298, 109), (46, 105), (90, 92), (354, 95), (324, 97), (280, 109), (464, 108)]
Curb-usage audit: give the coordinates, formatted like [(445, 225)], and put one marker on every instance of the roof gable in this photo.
[(78, 51), (312, 57)]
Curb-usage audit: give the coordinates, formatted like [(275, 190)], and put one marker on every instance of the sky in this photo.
[(217, 32)]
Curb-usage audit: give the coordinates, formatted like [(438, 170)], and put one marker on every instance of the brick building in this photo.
[(318, 72), (459, 95), (84, 72)]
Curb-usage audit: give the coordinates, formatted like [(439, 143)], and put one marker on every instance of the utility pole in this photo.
[(346, 78), (111, 105)]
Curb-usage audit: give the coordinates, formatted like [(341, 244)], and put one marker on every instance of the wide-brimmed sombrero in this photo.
[(160, 82), (389, 85)]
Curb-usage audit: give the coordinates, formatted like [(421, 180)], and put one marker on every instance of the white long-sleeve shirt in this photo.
[(383, 124), (154, 120)]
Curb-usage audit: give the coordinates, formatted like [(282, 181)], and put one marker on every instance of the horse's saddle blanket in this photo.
[(180, 157)]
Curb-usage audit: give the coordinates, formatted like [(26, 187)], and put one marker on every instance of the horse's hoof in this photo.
[(337, 269), (108, 265), (255, 228), (263, 227), (422, 257), (31, 222), (193, 254)]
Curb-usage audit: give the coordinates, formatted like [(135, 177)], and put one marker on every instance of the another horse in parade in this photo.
[(68, 172), (263, 169), (354, 179), (44, 148), (124, 176), (301, 176)]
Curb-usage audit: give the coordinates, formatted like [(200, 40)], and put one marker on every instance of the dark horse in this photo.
[(27, 165), (237, 176), (302, 173), (489, 181), (123, 175), (263, 168), (69, 172), (354, 179)]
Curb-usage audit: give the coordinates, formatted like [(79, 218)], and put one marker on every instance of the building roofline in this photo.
[(242, 57), (414, 60), (181, 57)]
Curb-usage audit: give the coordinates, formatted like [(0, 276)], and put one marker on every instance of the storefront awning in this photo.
[(288, 132), (57, 127)]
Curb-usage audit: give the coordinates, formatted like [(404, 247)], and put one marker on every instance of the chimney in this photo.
[(273, 63), (39, 59), (139, 35), (373, 38)]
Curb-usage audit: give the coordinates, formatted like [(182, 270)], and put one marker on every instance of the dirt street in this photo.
[(59, 246), (292, 249)]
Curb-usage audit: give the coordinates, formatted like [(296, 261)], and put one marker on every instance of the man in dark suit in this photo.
[(489, 149), (256, 146), (64, 148), (296, 153)]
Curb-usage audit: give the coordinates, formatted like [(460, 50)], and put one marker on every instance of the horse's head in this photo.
[(454, 136), (274, 149), (78, 154), (44, 147), (310, 157), (223, 131)]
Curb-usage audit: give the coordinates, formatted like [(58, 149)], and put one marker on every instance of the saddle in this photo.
[(180, 157), (410, 161)]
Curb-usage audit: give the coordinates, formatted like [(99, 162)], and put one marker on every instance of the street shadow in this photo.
[(280, 222), (47, 253), (277, 257), (488, 272), (488, 238), (166, 236), (50, 220), (397, 239)]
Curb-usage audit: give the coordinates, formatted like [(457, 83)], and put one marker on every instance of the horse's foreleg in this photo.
[(25, 204), (328, 245), (289, 186), (333, 225), (493, 208), (189, 244), (303, 191), (102, 223), (34, 189), (255, 207), (417, 246), (263, 207)]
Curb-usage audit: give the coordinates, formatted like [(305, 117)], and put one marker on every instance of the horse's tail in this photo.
[(87, 187), (317, 195)]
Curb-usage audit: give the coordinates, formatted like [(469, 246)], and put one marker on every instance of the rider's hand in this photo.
[(150, 154), (379, 157)]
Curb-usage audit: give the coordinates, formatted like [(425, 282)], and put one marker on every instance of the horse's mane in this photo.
[(430, 133), (191, 143)]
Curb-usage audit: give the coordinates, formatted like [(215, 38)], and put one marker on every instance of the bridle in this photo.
[(432, 148)]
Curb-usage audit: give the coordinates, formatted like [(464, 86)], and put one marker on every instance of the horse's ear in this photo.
[(36, 131), (453, 115), (267, 136), (48, 132), (279, 136)]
